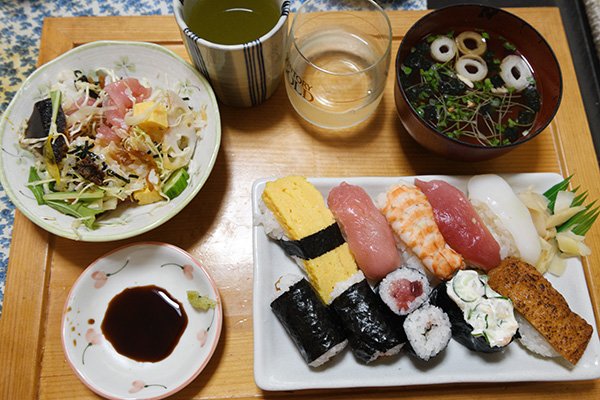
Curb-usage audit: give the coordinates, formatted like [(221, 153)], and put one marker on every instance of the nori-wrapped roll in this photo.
[(461, 329), (428, 330), (372, 329), (312, 326)]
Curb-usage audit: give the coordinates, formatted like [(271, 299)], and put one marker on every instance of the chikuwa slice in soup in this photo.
[(472, 86)]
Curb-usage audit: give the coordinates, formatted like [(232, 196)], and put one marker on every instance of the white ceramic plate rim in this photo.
[(218, 318), (89, 235), (272, 346)]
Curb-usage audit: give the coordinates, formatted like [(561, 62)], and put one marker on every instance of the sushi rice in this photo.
[(273, 229), (388, 289), (532, 340), (508, 247), (428, 331), (342, 286)]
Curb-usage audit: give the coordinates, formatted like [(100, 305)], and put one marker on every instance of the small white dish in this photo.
[(92, 357), (161, 68), (279, 366)]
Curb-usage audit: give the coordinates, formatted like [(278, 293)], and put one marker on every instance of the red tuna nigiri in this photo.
[(460, 224), (366, 230)]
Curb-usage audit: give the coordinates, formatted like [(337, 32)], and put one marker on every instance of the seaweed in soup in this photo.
[(483, 93)]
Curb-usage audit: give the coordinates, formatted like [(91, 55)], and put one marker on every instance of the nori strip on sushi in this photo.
[(372, 329), (461, 329), (312, 326), (315, 245)]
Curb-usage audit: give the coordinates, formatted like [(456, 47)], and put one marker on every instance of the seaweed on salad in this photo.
[(101, 140)]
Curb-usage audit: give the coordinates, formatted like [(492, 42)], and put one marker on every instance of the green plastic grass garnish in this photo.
[(581, 222), (551, 193)]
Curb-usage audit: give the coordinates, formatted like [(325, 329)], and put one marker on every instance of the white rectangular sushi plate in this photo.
[(279, 366)]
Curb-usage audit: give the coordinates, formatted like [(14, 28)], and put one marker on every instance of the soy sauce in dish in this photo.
[(473, 86), (144, 323)]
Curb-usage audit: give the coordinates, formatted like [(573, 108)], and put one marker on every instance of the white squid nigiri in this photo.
[(498, 196)]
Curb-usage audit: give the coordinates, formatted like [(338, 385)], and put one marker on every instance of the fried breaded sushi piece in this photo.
[(411, 217), (301, 211), (543, 306)]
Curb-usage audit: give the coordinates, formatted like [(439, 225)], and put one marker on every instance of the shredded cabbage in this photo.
[(108, 150)]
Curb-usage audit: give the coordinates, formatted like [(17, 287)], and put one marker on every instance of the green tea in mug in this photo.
[(231, 21)]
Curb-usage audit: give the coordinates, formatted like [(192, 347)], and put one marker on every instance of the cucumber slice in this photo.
[(176, 183), (491, 293), (76, 210), (467, 286), (95, 195), (38, 190)]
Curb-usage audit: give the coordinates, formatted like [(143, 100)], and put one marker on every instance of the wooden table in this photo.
[(269, 140)]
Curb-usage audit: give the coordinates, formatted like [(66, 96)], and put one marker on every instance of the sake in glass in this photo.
[(338, 61)]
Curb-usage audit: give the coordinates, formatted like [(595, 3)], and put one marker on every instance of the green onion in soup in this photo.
[(474, 86)]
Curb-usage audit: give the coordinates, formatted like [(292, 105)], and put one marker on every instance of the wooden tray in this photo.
[(269, 140)]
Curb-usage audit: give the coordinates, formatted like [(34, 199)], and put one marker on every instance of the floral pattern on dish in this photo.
[(139, 264), (21, 27)]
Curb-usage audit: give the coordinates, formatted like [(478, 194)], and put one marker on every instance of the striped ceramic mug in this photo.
[(244, 74)]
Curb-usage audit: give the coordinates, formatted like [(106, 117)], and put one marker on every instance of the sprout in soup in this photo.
[(475, 87)]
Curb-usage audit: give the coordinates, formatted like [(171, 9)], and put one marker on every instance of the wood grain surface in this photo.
[(216, 227)]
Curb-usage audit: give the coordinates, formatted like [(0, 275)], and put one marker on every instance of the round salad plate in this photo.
[(159, 68), (91, 354)]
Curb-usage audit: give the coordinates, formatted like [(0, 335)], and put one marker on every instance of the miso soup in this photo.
[(473, 86)]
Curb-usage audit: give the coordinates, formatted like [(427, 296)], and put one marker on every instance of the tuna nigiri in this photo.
[(366, 230), (460, 224), (495, 193), (411, 217)]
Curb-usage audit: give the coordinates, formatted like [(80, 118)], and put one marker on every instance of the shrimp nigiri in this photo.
[(411, 217)]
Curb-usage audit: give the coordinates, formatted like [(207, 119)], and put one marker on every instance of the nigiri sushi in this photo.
[(460, 224), (411, 217), (543, 307), (300, 210), (366, 230), (495, 193)]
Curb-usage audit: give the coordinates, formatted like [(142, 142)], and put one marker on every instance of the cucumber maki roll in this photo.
[(482, 320), (372, 329), (313, 328), (428, 332)]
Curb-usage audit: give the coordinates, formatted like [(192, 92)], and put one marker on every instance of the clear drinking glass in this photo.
[(337, 61)]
